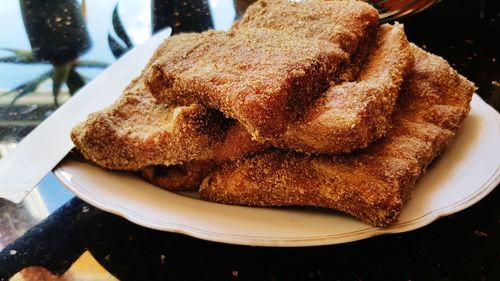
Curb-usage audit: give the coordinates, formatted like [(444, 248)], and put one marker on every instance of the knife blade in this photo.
[(40, 151)]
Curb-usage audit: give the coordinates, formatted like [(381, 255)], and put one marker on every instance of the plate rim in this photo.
[(249, 240)]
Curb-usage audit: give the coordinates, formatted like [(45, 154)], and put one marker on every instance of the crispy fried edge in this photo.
[(371, 185), (352, 115)]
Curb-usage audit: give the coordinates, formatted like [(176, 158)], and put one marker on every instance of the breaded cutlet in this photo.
[(237, 143), (372, 184), (351, 115), (347, 24), (308, 19), (256, 76), (132, 133), (262, 77), (136, 132)]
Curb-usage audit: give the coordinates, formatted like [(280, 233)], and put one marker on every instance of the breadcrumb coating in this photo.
[(262, 77), (372, 184), (347, 24), (183, 177), (317, 77), (344, 24), (351, 115), (136, 132), (252, 76), (372, 94)]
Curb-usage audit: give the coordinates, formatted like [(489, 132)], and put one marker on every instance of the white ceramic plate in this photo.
[(467, 171)]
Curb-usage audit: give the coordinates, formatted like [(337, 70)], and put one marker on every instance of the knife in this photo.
[(40, 151)]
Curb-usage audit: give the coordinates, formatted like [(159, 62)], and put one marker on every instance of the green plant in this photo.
[(58, 36), (122, 44), (66, 73)]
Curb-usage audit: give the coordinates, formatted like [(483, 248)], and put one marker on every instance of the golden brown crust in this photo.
[(263, 77), (123, 137), (236, 144), (136, 132), (351, 25), (373, 184), (345, 23), (187, 176), (351, 115), (280, 87), (250, 76), (133, 133)]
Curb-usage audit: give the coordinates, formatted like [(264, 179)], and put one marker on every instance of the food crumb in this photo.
[(85, 209), (13, 252)]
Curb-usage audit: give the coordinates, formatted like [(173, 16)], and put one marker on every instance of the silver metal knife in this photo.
[(40, 151)]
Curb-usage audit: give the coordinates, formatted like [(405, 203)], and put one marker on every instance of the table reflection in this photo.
[(45, 199)]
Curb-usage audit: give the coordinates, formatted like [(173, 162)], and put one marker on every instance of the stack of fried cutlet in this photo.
[(299, 103)]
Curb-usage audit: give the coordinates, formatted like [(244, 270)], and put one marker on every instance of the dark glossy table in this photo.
[(52, 228)]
